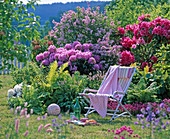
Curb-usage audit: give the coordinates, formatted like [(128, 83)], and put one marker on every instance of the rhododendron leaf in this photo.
[(148, 75)]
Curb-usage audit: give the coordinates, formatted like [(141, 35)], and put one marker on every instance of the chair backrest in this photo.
[(125, 75)]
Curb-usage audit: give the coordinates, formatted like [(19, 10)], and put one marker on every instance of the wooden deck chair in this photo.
[(118, 88)]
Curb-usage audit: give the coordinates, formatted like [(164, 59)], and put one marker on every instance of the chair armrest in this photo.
[(89, 90), (119, 92)]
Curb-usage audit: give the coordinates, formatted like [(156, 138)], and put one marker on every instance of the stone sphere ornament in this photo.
[(53, 109)]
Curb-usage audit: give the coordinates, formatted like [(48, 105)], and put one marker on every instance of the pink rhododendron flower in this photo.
[(126, 42), (91, 60), (40, 57), (121, 30), (46, 54), (46, 62), (154, 59), (126, 58), (72, 58), (134, 46), (78, 47), (68, 46)]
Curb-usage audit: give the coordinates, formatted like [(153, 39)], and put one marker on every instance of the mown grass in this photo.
[(87, 132)]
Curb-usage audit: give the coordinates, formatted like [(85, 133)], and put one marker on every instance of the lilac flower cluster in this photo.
[(90, 57), (84, 25), (118, 132), (151, 122)]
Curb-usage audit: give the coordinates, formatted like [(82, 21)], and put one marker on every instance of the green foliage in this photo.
[(141, 93), (127, 11), (17, 27), (64, 87), (27, 74), (158, 77), (58, 86), (45, 29)]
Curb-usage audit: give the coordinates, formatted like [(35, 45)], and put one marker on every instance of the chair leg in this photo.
[(89, 112), (113, 117)]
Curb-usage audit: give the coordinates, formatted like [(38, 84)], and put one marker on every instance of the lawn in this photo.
[(91, 131)]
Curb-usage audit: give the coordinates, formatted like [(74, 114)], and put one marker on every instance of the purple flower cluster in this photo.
[(148, 119), (83, 25), (91, 57)]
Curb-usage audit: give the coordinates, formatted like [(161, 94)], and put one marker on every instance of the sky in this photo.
[(63, 1)]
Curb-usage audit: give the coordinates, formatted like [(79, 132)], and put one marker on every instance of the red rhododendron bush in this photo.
[(145, 40)]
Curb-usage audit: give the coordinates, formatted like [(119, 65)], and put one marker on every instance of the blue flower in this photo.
[(136, 123), (167, 122), (54, 120), (147, 125), (157, 112), (142, 122), (143, 127), (59, 117), (164, 115), (161, 105)]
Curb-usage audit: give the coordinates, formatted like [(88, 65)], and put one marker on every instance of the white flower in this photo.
[(19, 94), (17, 88), (10, 93)]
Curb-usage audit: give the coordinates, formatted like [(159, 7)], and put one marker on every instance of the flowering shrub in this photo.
[(85, 26), (135, 108), (85, 57), (147, 38)]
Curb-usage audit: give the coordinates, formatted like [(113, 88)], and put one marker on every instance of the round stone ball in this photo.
[(53, 109)]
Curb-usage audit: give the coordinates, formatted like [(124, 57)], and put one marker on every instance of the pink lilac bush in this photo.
[(85, 26), (135, 108), (85, 57)]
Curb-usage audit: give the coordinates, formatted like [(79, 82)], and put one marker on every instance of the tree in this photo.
[(127, 11), (17, 27)]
